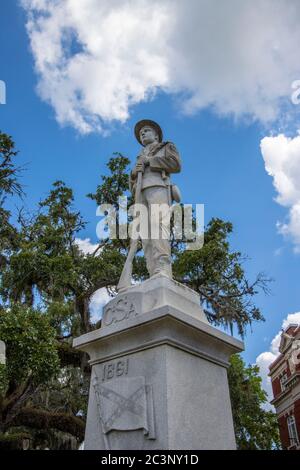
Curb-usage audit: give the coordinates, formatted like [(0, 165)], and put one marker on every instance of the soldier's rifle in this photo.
[(125, 278)]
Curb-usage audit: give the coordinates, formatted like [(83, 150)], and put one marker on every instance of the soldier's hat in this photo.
[(147, 122)]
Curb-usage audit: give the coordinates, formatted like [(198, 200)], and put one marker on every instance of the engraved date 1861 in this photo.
[(115, 369)]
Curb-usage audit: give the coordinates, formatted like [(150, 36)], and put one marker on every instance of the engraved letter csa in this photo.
[(118, 311)]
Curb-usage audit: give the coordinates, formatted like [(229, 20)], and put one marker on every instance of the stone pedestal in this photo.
[(159, 378)]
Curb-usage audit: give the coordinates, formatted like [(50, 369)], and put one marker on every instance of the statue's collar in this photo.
[(151, 149)]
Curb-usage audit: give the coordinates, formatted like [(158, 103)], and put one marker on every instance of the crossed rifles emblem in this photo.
[(123, 404), (139, 404)]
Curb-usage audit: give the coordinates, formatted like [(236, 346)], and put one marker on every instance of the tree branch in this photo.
[(40, 419), (68, 355)]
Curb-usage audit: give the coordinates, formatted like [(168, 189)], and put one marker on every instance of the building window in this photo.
[(283, 380), (294, 441)]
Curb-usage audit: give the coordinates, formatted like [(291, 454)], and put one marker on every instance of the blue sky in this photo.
[(219, 142)]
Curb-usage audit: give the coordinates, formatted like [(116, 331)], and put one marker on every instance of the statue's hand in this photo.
[(142, 162), (140, 167)]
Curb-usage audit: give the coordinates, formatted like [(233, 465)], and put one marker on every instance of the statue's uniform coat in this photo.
[(162, 159)]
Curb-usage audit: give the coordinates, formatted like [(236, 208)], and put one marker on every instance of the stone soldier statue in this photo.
[(156, 161)]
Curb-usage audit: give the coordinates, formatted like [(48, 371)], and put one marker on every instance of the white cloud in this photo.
[(265, 359), (118, 59), (282, 161), (95, 59), (98, 301), (101, 296), (85, 245), (278, 251)]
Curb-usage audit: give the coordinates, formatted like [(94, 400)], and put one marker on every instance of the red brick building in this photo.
[(285, 377)]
